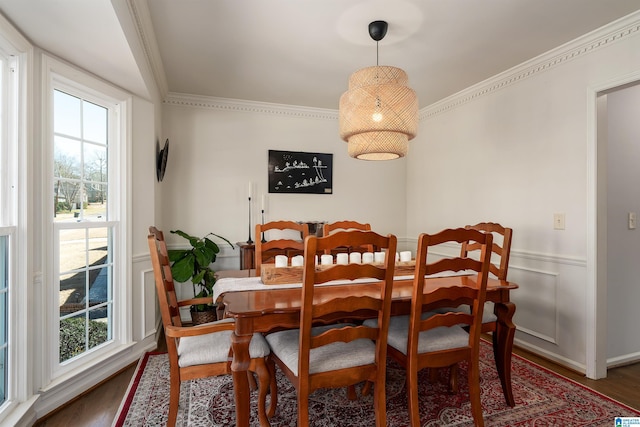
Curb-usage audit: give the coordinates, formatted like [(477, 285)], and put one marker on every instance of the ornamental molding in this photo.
[(584, 45), (238, 105)]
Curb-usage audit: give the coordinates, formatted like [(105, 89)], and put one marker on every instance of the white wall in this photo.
[(217, 148), (623, 244), (513, 150)]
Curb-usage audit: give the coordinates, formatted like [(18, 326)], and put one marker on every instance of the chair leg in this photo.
[(351, 392), (252, 381), (412, 389), (380, 401), (474, 393), (273, 387), (264, 379), (174, 399), (366, 388), (303, 407), (453, 379)]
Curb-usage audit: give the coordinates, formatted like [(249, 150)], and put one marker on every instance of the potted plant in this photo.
[(194, 264)]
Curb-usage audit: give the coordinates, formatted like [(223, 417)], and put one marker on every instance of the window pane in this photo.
[(72, 293), (95, 122), (66, 195), (73, 336), (98, 245), (4, 320), (95, 163), (66, 119), (96, 206), (99, 331), (67, 158), (99, 286)]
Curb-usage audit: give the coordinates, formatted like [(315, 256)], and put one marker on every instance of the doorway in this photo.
[(612, 236)]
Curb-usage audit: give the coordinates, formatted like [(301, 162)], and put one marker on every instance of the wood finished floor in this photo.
[(98, 407)]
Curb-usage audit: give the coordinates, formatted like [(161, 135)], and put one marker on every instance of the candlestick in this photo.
[(263, 240), (249, 241)]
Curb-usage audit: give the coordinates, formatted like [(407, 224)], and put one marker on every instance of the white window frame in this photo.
[(15, 190), (59, 75)]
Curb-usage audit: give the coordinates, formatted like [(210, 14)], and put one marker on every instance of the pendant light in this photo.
[(378, 114)]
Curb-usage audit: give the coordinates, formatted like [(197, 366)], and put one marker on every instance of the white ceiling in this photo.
[(301, 52)]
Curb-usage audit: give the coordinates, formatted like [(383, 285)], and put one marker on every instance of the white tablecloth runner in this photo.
[(234, 284)]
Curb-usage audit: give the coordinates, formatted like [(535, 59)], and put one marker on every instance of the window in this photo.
[(7, 217), (83, 233), (88, 272)]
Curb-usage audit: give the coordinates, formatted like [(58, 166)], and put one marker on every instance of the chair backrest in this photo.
[(348, 225), (265, 251), (472, 290), (341, 306), (165, 285), (501, 246)]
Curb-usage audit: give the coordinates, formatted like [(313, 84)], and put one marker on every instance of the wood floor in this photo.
[(98, 407)]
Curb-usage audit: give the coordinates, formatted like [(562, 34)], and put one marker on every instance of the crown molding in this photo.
[(605, 36), (238, 105), (139, 12)]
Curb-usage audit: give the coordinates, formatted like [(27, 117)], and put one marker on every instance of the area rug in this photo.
[(543, 398)]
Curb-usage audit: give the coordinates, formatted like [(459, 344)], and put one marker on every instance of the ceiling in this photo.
[(299, 52)]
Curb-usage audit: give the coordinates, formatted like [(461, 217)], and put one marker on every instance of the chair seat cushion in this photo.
[(488, 316), (440, 338), (214, 348), (334, 356)]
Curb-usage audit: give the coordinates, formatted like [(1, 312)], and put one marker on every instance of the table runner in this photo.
[(236, 284)]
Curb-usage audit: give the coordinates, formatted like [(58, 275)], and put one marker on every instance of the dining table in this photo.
[(259, 307)]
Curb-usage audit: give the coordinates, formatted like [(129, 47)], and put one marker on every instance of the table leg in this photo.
[(239, 369), (503, 346)]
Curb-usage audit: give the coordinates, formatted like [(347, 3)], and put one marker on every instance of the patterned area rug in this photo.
[(543, 398)]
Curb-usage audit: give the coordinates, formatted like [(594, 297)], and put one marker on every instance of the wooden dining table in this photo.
[(271, 307)]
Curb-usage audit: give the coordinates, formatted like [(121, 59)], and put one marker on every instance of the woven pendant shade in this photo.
[(378, 115)]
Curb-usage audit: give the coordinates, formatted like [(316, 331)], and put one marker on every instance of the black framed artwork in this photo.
[(300, 172)]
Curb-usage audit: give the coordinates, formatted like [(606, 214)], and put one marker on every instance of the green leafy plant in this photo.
[(194, 264)]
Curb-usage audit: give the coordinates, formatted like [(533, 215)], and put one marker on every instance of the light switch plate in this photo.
[(558, 221)]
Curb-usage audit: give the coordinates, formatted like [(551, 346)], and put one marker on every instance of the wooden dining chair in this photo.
[(345, 226), (285, 245), (204, 350), (500, 249), (341, 354), (436, 340)]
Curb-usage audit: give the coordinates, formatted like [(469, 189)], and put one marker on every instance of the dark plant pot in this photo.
[(207, 316)]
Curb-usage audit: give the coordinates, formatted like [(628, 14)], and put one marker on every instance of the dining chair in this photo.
[(437, 340), (501, 248), (500, 252), (285, 243), (339, 354), (348, 225), (204, 350)]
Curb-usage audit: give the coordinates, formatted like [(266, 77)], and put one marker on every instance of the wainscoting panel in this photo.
[(536, 302)]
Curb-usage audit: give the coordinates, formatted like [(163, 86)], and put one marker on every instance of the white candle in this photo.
[(355, 257), (405, 256), (342, 258), (263, 201), (326, 259), (281, 261), (250, 188)]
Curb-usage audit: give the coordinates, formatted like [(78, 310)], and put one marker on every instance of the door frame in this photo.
[(596, 298)]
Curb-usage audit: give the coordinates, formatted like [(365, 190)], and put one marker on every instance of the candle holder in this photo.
[(249, 241), (263, 240)]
